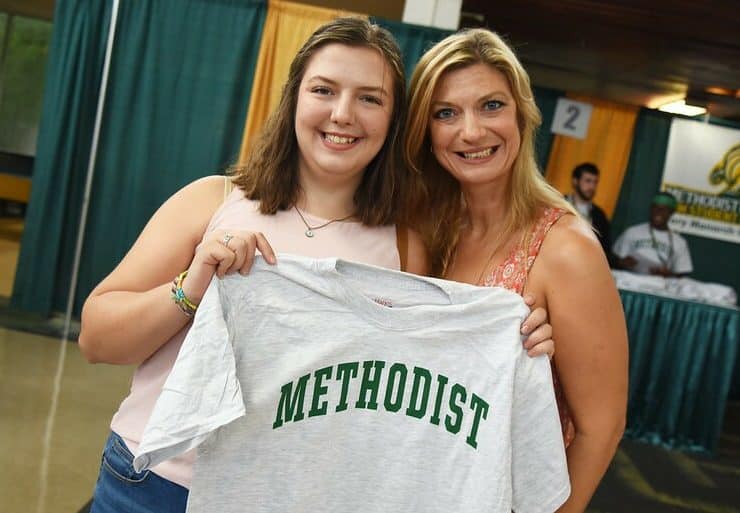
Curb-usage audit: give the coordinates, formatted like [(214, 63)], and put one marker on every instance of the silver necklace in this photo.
[(310, 229)]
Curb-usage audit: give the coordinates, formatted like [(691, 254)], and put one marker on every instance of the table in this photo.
[(682, 358)]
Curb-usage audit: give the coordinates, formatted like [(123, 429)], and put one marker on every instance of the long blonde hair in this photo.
[(438, 200)]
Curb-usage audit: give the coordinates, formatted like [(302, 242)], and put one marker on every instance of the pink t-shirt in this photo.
[(285, 232)]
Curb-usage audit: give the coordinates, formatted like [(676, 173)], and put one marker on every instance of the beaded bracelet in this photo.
[(178, 295)]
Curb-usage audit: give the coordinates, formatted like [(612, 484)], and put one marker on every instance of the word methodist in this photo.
[(388, 386)]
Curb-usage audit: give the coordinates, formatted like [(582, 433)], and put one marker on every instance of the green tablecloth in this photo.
[(682, 357)]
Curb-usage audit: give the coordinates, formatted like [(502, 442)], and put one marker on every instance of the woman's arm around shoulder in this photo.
[(591, 359), (129, 315)]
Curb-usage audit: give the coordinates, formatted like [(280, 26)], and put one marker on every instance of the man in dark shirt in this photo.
[(585, 179)]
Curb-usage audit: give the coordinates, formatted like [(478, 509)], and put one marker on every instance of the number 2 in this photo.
[(574, 112)]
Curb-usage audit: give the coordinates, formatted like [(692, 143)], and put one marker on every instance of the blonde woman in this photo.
[(490, 219)]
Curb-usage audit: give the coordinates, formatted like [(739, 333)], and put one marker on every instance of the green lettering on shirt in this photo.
[(418, 403), (318, 391), (397, 371), (370, 384), (457, 391), (345, 372), (291, 405)]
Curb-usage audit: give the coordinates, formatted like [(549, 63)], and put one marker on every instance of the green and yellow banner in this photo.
[(702, 169)]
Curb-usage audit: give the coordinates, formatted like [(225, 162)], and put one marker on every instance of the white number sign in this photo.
[(571, 118)]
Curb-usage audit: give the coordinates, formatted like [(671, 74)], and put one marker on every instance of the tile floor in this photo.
[(49, 459), (54, 410)]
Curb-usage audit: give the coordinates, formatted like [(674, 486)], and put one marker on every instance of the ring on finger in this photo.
[(227, 238)]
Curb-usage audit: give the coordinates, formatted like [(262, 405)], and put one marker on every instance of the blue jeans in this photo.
[(122, 490)]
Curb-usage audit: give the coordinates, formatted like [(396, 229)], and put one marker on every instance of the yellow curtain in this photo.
[(287, 26), (15, 188), (607, 144)]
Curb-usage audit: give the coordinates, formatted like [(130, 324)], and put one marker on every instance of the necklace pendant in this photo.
[(309, 233)]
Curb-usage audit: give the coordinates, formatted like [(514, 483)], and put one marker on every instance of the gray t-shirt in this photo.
[(324, 385)]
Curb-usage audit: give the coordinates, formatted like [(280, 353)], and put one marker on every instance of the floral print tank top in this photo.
[(512, 274)]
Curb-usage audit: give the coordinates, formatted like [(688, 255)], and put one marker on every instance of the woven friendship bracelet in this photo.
[(179, 297)]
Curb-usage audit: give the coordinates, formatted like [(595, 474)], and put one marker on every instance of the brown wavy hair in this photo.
[(438, 200), (270, 173)]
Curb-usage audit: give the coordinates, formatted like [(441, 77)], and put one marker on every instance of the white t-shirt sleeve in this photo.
[(540, 481), (623, 245), (202, 392), (682, 263)]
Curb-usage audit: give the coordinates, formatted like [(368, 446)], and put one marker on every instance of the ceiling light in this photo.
[(720, 91), (680, 107)]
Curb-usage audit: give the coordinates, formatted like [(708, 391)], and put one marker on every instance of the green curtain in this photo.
[(546, 100), (180, 79), (644, 170), (414, 40), (714, 260), (682, 356), (75, 61)]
